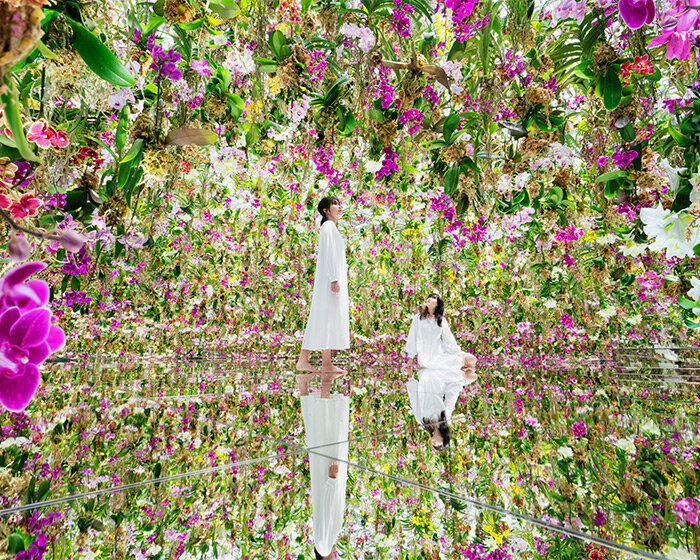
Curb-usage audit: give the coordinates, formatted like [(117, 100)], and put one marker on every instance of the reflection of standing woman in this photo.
[(328, 327), (444, 370)]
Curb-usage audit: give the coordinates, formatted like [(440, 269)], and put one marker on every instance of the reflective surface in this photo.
[(549, 458)]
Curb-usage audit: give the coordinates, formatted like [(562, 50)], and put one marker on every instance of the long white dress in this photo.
[(328, 326), (440, 379), (326, 422)]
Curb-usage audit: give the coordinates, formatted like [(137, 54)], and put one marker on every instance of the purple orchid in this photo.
[(27, 336), (680, 26), (636, 13)]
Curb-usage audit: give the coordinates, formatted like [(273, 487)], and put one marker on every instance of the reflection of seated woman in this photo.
[(444, 370), (326, 421)]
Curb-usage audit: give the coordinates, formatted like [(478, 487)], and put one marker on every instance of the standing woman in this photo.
[(328, 327), (444, 370)]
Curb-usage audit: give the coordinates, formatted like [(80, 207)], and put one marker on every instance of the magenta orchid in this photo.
[(27, 336), (636, 13)]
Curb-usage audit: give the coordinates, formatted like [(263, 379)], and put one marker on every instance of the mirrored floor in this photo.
[(209, 457)]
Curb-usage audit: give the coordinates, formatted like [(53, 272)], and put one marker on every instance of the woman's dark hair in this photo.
[(325, 203), (439, 310), (442, 426), (318, 554)]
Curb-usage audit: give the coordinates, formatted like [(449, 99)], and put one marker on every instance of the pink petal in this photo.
[(35, 290), (56, 339), (31, 329), (678, 46), (7, 320), (20, 273), (16, 392), (37, 354)]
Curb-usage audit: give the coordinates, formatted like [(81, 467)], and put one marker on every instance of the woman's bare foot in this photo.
[(470, 375), (303, 365), (303, 383)]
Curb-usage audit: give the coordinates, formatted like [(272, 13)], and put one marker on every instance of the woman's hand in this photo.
[(335, 287)]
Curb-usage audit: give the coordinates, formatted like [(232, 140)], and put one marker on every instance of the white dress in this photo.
[(326, 422), (440, 379), (328, 326)]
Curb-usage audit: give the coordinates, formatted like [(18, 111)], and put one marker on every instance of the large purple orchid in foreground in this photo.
[(636, 13), (27, 336)]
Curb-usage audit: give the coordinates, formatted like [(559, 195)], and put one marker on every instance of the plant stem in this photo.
[(18, 227)]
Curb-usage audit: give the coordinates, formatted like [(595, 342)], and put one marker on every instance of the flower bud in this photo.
[(72, 241), (17, 247)]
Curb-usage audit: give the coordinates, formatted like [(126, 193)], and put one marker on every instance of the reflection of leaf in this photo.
[(191, 137)]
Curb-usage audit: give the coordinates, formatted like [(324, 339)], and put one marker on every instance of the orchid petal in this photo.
[(37, 354), (56, 338), (31, 329), (20, 273), (17, 391), (8, 318)]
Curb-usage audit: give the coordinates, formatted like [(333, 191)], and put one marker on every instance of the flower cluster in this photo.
[(46, 136), (640, 65)]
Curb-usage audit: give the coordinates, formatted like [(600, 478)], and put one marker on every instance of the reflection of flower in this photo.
[(636, 13), (27, 336)]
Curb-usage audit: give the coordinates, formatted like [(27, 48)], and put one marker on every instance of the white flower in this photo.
[(606, 239), (607, 312), (694, 292), (672, 174), (549, 303), (626, 444), (565, 452), (649, 427), (372, 166), (632, 249), (671, 232), (634, 319)]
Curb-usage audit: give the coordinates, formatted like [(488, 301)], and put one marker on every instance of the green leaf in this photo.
[(611, 188), (192, 25), (154, 23), (457, 51), (267, 65), (451, 179), (277, 41), (451, 124), (98, 57), (628, 132), (612, 89), (15, 543), (10, 101), (45, 51), (610, 175), (681, 139), (120, 134), (685, 303), (696, 250), (134, 151), (225, 9)]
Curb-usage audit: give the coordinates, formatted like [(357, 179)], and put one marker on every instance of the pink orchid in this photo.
[(680, 25), (27, 206), (40, 133), (201, 67)]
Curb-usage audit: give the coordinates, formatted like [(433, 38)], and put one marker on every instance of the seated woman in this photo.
[(444, 370)]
